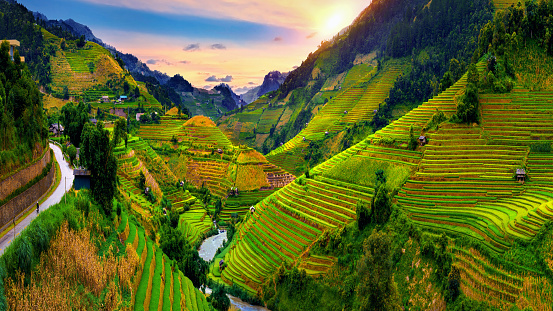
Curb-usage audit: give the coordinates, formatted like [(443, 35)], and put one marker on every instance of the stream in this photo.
[(207, 252)]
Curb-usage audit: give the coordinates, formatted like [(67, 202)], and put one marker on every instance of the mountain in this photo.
[(394, 56), (271, 82), (231, 101), (69, 25)]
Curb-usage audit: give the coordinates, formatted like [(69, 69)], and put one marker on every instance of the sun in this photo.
[(333, 24)]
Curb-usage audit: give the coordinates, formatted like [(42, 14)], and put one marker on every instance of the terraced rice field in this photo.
[(355, 103), (71, 68), (482, 280), (197, 136), (288, 221), (462, 182), (503, 4), (195, 223), (158, 284)]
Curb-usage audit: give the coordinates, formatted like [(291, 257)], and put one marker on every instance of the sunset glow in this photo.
[(241, 39)]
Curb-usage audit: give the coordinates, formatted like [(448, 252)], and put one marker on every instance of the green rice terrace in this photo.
[(462, 182), (360, 94), (158, 283), (202, 156)]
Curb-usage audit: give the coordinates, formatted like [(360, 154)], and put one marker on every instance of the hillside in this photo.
[(197, 153), (461, 185), (393, 40)]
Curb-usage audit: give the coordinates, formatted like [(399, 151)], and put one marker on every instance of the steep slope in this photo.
[(462, 183)]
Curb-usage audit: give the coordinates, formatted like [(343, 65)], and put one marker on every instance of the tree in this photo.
[(381, 206), (141, 180), (119, 131), (219, 299), (467, 108), (454, 283), (97, 156), (136, 92), (376, 289), (65, 92), (176, 247), (72, 153), (73, 119), (81, 42), (413, 142), (363, 215), (126, 87)]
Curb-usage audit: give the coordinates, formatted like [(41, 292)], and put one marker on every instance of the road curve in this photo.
[(65, 184)]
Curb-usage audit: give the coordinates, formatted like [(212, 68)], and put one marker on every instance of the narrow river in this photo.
[(207, 252)]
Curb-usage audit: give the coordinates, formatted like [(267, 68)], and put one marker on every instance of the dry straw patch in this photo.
[(72, 260), (200, 121)]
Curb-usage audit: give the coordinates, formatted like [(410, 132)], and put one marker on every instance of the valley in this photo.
[(406, 164)]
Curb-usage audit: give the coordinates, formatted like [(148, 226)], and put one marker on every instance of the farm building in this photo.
[(422, 140), (104, 99), (122, 98), (521, 175)]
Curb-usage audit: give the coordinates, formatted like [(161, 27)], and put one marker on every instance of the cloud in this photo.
[(184, 62), (242, 90), (192, 47), (311, 35), (158, 62), (295, 67), (218, 46), (251, 83), (208, 87), (226, 79), (277, 39), (213, 78)]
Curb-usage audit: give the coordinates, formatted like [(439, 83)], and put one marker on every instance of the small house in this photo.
[(138, 115), (221, 263), (326, 132), (303, 138), (521, 175), (252, 209), (104, 99), (56, 129), (122, 98), (219, 150), (422, 140), (82, 179), (93, 121)]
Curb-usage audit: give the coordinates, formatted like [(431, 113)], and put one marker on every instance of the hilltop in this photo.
[(271, 82)]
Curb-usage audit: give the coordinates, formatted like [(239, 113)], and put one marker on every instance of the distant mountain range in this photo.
[(271, 82)]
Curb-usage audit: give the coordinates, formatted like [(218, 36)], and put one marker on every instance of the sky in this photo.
[(210, 42)]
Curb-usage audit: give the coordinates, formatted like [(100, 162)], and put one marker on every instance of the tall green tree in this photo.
[(97, 156), (376, 289), (73, 118)]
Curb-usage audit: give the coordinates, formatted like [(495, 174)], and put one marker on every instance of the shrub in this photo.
[(542, 147)]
